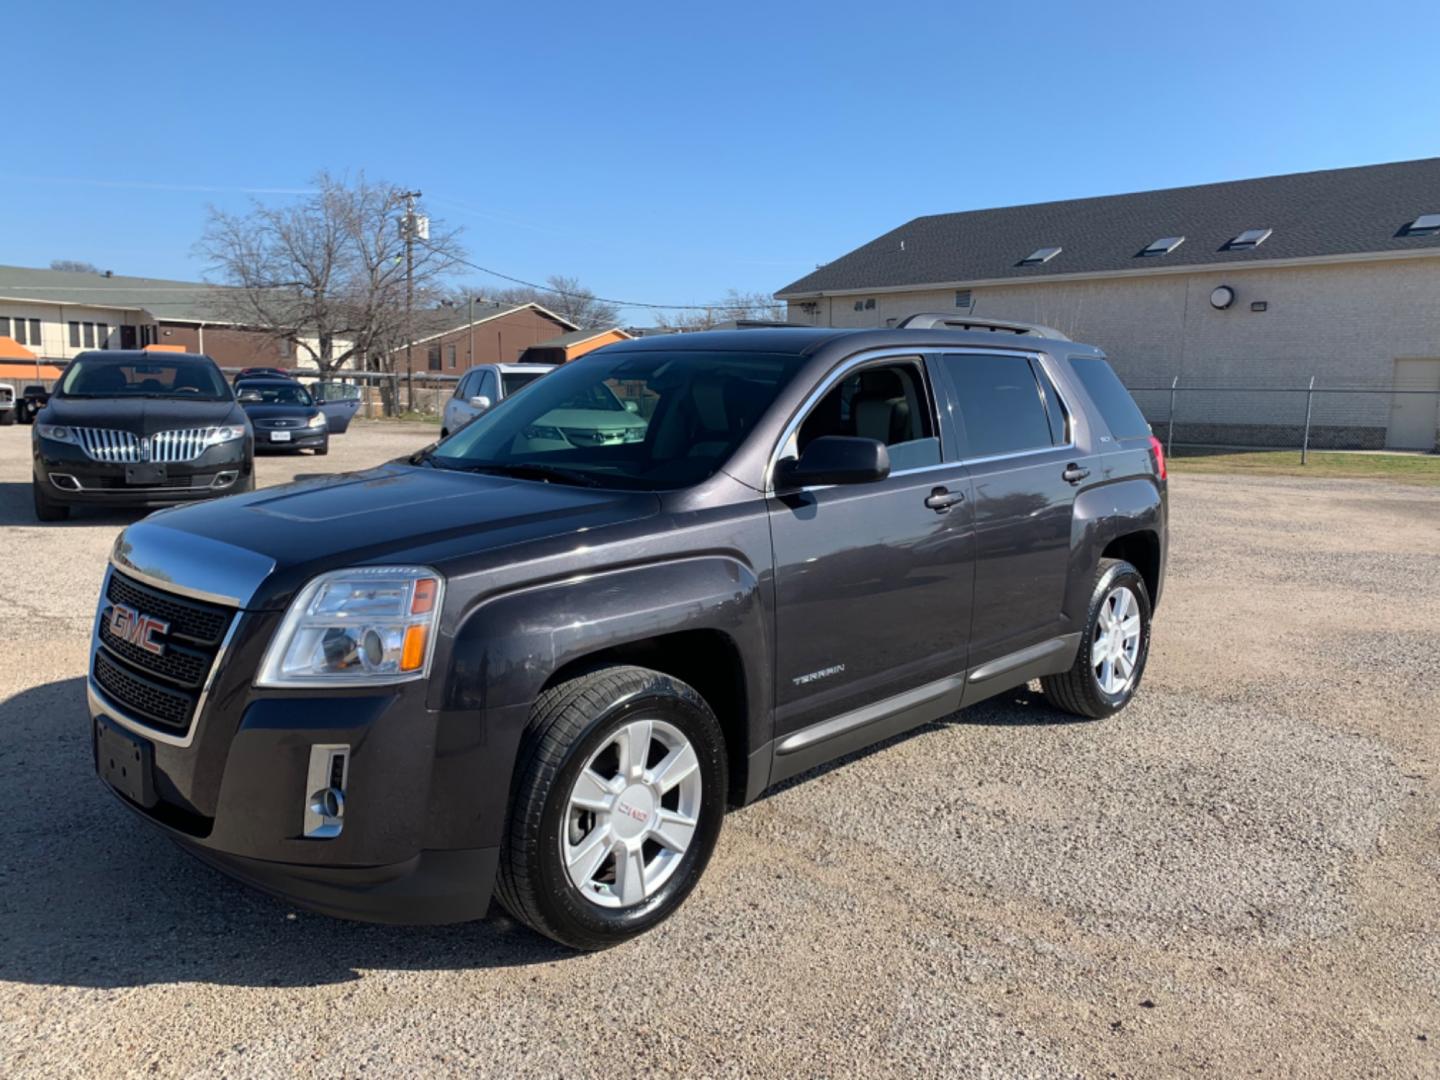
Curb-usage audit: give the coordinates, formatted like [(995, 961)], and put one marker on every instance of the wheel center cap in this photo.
[(633, 811)]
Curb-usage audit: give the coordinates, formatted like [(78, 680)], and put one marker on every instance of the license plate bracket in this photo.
[(150, 475), (125, 763)]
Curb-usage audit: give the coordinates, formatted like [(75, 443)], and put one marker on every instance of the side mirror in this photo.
[(836, 459), (632, 406), (251, 395), (480, 401)]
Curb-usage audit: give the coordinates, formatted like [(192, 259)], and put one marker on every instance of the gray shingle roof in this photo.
[(180, 300), (1334, 212)]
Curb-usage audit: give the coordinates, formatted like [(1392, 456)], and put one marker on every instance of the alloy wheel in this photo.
[(1115, 647), (631, 814)]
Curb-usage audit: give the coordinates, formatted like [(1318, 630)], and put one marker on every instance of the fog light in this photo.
[(224, 479), (64, 481), (325, 781)]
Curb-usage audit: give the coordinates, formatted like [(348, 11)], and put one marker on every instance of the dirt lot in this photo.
[(1237, 875)]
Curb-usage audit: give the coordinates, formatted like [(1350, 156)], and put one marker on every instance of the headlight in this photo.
[(367, 626), (56, 433), (221, 435), (635, 434), (318, 420)]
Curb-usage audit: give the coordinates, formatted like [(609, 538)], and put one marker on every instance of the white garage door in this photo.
[(1413, 417)]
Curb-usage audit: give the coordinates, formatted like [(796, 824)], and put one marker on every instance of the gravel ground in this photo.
[(1237, 875)]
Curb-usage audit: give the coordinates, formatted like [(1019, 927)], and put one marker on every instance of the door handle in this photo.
[(1073, 474), (941, 500)]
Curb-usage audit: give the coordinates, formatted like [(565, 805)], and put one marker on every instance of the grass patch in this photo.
[(1400, 468)]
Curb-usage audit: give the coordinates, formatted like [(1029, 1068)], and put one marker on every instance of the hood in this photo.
[(394, 513), (141, 416)]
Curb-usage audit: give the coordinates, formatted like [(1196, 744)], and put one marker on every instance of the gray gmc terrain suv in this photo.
[(518, 665)]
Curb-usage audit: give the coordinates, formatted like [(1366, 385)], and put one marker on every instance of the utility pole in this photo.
[(470, 351), (409, 227)]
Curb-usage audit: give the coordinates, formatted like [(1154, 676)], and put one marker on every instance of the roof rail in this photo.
[(941, 321)]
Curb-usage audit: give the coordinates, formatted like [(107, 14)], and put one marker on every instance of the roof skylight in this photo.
[(1424, 225), (1164, 245), (1040, 255), (1250, 238)]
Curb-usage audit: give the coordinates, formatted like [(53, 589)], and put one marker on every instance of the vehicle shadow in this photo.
[(18, 508), (92, 897)]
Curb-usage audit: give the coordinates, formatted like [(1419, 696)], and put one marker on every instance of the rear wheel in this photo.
[(1113, 652), (7, 417), (620, 792), (46, 509)]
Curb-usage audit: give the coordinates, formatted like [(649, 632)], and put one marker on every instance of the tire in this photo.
[(1080, 690), (323, 448), (581, 723), (7, 417), (46, 509)]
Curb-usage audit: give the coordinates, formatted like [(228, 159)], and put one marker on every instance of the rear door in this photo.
[(1017, 441)]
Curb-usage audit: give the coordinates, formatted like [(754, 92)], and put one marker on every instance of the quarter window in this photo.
[(1000, 403), (1116, 405), (888, 402)]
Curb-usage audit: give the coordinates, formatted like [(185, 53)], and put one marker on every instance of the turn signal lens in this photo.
[(423, 599), (412, 656)]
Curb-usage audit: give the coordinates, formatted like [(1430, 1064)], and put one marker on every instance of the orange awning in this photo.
[(10, 349), (13, 371)]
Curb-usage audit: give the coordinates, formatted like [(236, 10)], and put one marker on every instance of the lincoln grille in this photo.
[(162, 688), (126, 448)]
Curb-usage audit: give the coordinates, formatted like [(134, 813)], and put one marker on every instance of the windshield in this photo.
[(168, 378), (276, 393), (648, 421), (510, 381)]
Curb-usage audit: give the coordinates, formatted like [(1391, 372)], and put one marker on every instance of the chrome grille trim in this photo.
[(124, 448)]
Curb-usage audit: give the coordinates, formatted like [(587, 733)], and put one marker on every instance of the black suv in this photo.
[(138, 429), (518, 665)]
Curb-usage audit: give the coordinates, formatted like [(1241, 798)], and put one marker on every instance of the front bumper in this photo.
[(299, 438), (234, 795), (71, 478)]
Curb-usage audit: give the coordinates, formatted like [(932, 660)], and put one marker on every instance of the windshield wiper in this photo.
[(549, 474)]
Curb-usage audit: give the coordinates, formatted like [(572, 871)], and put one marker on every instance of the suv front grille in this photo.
[(127, 448), (164, 688)]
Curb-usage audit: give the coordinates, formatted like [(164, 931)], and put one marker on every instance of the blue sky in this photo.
[(666, 152)]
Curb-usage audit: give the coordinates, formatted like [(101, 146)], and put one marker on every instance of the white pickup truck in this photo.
[(7, 404)]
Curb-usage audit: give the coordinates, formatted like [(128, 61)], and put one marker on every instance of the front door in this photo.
[(872, 586), (1017, 444), (1413, 416)]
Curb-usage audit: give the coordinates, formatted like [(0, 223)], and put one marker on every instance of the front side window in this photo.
[(92, 377), (486, 385), (648, 419), (514, 380), (888, 402), (1001, 405)]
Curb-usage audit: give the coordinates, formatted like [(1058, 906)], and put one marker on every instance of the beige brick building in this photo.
[(1344, 287)]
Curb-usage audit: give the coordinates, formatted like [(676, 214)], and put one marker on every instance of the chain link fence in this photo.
[(1304, 414)]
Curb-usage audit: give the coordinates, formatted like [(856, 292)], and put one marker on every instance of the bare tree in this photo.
[(736, 305), (74, 266), (327, 271), (565, 296)]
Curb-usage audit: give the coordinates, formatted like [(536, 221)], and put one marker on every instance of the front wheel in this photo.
[(1114, 649), (621, 789)]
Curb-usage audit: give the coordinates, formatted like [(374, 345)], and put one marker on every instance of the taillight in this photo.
[(1159, 450)]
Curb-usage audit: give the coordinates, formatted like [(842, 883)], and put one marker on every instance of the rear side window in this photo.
[(1121, 414), (1001, 404)]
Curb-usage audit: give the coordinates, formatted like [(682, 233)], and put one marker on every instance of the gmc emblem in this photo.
[(127, 624)]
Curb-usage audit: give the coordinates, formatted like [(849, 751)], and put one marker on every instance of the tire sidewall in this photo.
[(557, 895), (1121, 573)]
